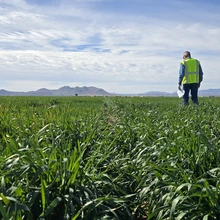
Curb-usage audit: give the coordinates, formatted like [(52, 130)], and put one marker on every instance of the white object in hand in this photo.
[(180, 93)]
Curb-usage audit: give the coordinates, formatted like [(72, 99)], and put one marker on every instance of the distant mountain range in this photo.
[(63, 91), (93, 91)]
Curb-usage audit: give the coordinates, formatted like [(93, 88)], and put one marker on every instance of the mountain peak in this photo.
[(65, 87)]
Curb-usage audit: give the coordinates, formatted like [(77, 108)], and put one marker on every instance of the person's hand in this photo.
[(198, 85), (179, 87)]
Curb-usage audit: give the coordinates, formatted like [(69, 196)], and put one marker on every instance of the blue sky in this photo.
[(122, 46)]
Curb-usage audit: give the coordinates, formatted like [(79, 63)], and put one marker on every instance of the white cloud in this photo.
[(90, 68), (13, 2)]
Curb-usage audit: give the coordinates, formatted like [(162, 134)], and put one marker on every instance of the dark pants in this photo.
[(194, 93)]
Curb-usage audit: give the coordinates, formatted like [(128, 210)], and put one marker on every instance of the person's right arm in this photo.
[(200, 74)]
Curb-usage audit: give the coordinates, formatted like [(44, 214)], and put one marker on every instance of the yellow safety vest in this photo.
[(191, 74)]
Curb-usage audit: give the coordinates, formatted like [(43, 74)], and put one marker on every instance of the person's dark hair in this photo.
[(187, 54)]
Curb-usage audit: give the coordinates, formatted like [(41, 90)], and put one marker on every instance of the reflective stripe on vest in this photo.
[(191, 74)]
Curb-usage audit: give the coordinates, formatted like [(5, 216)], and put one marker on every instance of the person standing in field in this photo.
[(191, 76)]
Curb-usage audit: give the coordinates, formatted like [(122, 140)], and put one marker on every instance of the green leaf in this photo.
[(174, 204), (4, 199), (43, 195), (3, 211), (206, 217), (3, 189), (181, 215), (52, 205)]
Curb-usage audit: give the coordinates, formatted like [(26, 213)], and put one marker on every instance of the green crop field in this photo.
[(109, 158)]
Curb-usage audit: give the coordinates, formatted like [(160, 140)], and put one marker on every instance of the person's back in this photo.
[(191, 76)]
